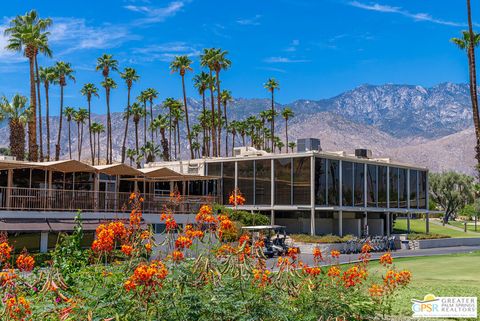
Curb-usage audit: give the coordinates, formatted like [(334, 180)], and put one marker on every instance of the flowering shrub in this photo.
[(193, 274)]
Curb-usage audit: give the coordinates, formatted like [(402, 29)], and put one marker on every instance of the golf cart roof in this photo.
[(263, 227)]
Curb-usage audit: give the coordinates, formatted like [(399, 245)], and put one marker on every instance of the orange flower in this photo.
[(25, 263), (18, 309), (135, 218), (145, 235), (335, 254), (263, 276), (390, 278), (105, 241), (366, 247), (177, 256), (403, 277), (353, 276), (317, 254), (236, 198), (148, 247), (147, 276), (7, 277), (119, 230), (5, 252), (293, 252), (225, 249), (183, 242), (313, 271), (243, 239), (375, 291), (386, 259), (205, 215), (127, 250), (333, 272)]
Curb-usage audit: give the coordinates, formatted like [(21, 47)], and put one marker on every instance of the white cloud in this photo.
[(164, 52), (293, 45), (254, 21), (272, 60), (154, 15), (7, 56), (398, 10)]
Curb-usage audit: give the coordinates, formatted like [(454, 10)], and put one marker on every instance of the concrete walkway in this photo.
[(307, 258)]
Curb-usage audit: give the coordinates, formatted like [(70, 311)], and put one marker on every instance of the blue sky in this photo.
[(316, 49)]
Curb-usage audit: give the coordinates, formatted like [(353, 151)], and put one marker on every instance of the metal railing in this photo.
[(37, 199)]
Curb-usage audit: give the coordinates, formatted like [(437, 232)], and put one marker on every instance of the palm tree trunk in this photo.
[(32, 122), (94, 148), (57, 147), (273, 122), (213, 137), (92, 151), (127, 117), (186, 117), (81, 140), (136, 139), (151, 116), (164, 145), (233, 142), (175, 141), (78, 140), (98, 148), (108, 123), (219, 108), (178, 139), (226, 126), (109, 129), (473, 84), (145, 123), (69, 139), (39, 109), (286, 133), (170, 131), (47, 119), (204, 144), (243, 140), (17, 139)]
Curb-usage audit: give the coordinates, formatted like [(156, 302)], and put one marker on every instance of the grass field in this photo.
[(470, 225), (443, 275), (418, 226)]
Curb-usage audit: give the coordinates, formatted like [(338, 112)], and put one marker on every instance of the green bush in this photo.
[(329, 238), (244, 217), (423, 236)]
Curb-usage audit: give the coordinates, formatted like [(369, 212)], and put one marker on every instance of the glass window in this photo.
[(21, 177), (283, 181), (214, 187), (333, 182), (413, 188), (228, 180), (372, 195), (214, 169), (194, 188), (347, 183), (263, 178), (38, 178), (382, 186), (320, 181), (83, 181), (4, 178), (393, 187), (359, 187), (58, 180), (245, 180), (301, 181), (402, 187), (422, 189)]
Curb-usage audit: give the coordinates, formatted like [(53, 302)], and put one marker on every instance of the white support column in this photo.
[(312, 195), (340, 223), (43, 242), (272, 217)]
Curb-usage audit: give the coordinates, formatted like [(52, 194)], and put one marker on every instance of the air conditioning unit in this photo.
[(363, 153), (308, 145), (248, 151), (7, 158)]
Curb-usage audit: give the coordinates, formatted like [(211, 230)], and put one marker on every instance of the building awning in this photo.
[(118, 169), (167, 174), (65, 166), (13, 164)]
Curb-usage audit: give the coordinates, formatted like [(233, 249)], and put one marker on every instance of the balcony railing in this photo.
[(36, 199)]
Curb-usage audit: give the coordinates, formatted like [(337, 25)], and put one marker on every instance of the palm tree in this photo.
[(137, 112), (232, 128), (109, 84), (177, 116), (292, 145), (80, 117), (90, 90), (106, 63), (27, 33), (161, 123), (201, 82), (264, 116), (181, 64), (47, 76), (130, 76), (97, 128), (206, 61), (69, 113), (17, 116), (279, 144), (204, 120), (131, 153), (287, 113), (63, 71), (468, 42), (226, 97), (142, 98), (271, 85), (149, 150), (152, 94), (242, 129)]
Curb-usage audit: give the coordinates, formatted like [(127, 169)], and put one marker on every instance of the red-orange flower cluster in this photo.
[(177, 256), (262, 276), (183, 242), (147, 275), (193, 233), (313, 271), (386, 259), (170, 223), (317, 254), (127, 250), (7, 277), (5, 252), (335, 254), (107, 235), (18, 308), (375, 290), (205, 215), (333, 272), (236, 198), (353, 276), (25, 263), (293, 252)]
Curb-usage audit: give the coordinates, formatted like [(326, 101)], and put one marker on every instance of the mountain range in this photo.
[(430, 127)]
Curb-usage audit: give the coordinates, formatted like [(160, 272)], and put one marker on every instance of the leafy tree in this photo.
[(451, 191), (17, 115)]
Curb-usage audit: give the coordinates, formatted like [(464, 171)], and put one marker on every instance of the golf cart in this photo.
[(274, 238)]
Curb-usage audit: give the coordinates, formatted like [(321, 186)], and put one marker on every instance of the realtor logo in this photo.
[(444, 307)]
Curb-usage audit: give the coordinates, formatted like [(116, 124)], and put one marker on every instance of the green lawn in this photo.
[(470, 225), (418, 226), (443, 275)]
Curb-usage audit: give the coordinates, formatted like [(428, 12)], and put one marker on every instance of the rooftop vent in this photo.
[(7, 158), (308, 144), (248, 151), (363, 153)]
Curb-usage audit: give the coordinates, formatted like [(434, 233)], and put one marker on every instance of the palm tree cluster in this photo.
[(207, 136)]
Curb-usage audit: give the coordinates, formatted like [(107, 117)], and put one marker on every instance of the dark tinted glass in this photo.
[(283, 181), (301, 180), (413, 188), (228, 180), (245, 180), (21, 177), (422, 189), (3, 178), (382, 186), (263, 178), (320, 181), (39, 179), (393, 187), (371, 185), (333, 182), (359, 184), (347, 183), (403, 187)]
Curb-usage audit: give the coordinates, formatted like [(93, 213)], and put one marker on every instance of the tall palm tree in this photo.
[(271, 85), (97, 128), (106, 63), (137, 112), (47, 77), (225, 97), (263, 117), (232, 128), (168, 104), (94, 128), (131, 153), (292, 145), (69, 113), (206, 60), (466, 42), (152, 94), (142, 98), (130, 76), (80, 116), (161, 123), (63, 71), (177, 116), (202, 82), (242, 130), (204, 120), (149, 150), (109, 84), (279, 144), (89, 90), (287, 113), (27, 33), (17, 115), (182, 64)]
